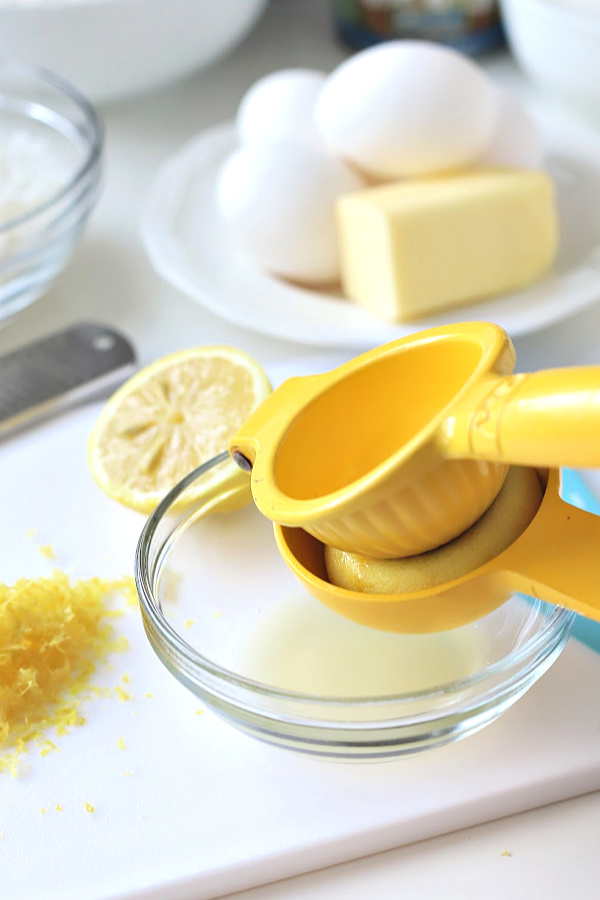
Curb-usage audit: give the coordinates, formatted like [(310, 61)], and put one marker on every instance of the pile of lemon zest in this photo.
[(11, 761), (68, 718), (53, 636), (48, 747), (58, 807), (119, 644), (121, 744), (89, 807), (115, 613)]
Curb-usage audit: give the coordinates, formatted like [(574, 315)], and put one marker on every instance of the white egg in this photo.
[(281, 105), (278, 199), (406, 108), (517, 140)]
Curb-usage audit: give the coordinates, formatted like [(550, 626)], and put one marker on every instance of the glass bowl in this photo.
[(231, 623), (51, 142)]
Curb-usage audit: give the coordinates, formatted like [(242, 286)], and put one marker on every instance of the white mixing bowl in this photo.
[(115, 48), (556, 43)]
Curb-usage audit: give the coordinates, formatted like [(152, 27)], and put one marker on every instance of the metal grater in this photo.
[(59, 371)]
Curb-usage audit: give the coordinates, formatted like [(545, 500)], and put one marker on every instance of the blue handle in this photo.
[(576, 492)]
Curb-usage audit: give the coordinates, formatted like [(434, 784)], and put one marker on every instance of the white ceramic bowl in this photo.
[(556, 43), (111, 49)]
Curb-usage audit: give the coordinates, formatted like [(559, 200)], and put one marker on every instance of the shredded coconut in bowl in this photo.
[(29, 174), (51, 141)]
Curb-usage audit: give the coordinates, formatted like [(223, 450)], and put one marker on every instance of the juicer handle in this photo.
[(556, 559), (548, 419)]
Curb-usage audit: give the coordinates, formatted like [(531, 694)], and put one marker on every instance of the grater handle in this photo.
[(66, 368)]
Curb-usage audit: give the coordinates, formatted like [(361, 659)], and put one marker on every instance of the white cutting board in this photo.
[(206, 810)]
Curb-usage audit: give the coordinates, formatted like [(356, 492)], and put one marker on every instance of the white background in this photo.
[(554, 851)]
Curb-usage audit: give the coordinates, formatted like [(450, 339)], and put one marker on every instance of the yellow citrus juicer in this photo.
[(555, 559), (401, 449)]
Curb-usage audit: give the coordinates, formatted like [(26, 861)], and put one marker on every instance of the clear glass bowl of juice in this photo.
[(230, 622)]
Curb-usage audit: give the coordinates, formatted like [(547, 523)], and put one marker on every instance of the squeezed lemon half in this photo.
[(171, 417)]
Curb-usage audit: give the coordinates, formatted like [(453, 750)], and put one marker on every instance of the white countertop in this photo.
[(553, 851)]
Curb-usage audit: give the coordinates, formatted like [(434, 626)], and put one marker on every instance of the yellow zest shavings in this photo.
[(119, 644), (188, 623), (122, 694), (48, 747), (58, 807), (120, 744), (53, 635), (47, 550), (89, 808)]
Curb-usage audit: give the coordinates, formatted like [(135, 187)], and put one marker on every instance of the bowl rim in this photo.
[(95, 140), (558, 12), (557, 623)]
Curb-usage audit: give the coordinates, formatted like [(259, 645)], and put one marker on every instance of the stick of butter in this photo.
[(414, 247)]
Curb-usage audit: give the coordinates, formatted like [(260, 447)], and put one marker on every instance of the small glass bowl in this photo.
[(232, 624), (52, 140)]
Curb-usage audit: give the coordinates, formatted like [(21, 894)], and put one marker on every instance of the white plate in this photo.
[(189, 246)]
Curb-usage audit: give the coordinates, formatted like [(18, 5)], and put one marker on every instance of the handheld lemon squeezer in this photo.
[(400, 458)]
